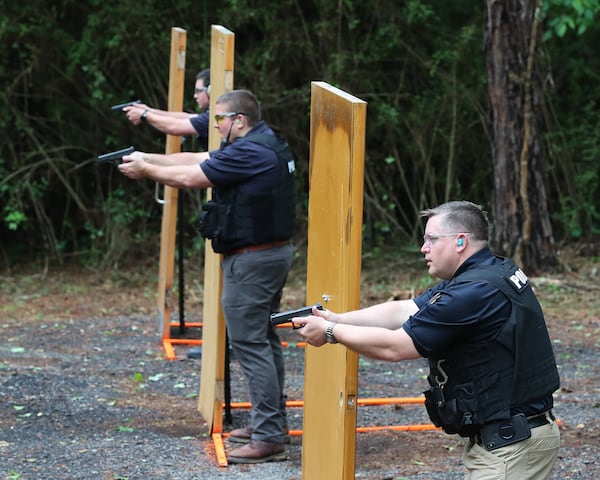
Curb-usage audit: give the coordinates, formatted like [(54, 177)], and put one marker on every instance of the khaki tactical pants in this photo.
[(530, 459)]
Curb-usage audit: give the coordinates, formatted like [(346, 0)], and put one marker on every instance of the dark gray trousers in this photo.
[(252, 287)]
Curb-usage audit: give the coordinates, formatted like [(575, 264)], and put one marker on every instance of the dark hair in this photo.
[(242, 101), (462, 216), (204, 75)]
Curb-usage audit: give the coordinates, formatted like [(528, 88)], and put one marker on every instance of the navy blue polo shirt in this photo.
[(252, 166), (452, 314), (201, 123)]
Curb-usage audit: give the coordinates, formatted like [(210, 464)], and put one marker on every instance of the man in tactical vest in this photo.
[(492, 368), (250, 220)]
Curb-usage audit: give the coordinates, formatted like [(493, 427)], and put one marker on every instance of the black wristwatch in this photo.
[(329, 336), (144, 116)]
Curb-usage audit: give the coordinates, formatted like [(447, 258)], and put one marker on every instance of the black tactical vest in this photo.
[(479, 383), (235, 219)]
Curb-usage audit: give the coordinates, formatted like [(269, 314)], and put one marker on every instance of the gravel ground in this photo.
[(95, 399), (86, 391)]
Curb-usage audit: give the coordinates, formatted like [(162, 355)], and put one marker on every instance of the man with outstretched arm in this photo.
[(250, 220), (492, 368), (178, 123)]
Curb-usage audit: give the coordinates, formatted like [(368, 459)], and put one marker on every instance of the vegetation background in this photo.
[(419, 64)]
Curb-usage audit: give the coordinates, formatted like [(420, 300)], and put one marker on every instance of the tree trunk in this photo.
[(522, 228)]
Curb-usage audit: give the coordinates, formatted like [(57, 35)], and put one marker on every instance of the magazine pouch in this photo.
[(458, 414), (213, 219)]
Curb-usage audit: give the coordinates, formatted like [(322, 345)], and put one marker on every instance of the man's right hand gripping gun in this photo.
[(286, 317), (116, 156)]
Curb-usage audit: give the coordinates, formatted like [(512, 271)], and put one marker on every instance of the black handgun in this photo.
[(121, 106), (285, 317), (116, 156)]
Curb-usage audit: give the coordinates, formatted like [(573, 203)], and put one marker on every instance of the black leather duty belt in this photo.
[(539, 420)]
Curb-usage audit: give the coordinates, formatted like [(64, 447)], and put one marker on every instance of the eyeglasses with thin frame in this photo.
[(198, 91), (220, 116), (429, 239)]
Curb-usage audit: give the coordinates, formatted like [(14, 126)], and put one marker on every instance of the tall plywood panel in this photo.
[(169, 218), (337, 141), (210, 403)]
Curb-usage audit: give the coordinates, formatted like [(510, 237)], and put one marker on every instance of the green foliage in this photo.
[(568, 15), (579, 211), (13, 218), (573, 133), (419, 65)]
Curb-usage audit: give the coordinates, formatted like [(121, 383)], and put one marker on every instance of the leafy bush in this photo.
[(420, 66)]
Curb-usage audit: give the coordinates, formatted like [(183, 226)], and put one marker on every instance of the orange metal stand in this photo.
[(220, 447), (168, 342), (218, 437)]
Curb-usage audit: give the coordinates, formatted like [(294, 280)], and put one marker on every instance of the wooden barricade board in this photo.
[(337, 142), (169, 218), (211, 396)]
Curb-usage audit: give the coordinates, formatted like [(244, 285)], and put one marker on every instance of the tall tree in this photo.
[(520, 208)]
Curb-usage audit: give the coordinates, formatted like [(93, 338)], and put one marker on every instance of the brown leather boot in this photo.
[(244, 435), (240, 435), (258, 452)]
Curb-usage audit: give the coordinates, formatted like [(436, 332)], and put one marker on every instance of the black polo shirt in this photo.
[(470, 312), (451, 314)]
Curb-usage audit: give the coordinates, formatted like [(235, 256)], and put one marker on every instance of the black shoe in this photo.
[(195, 352)]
